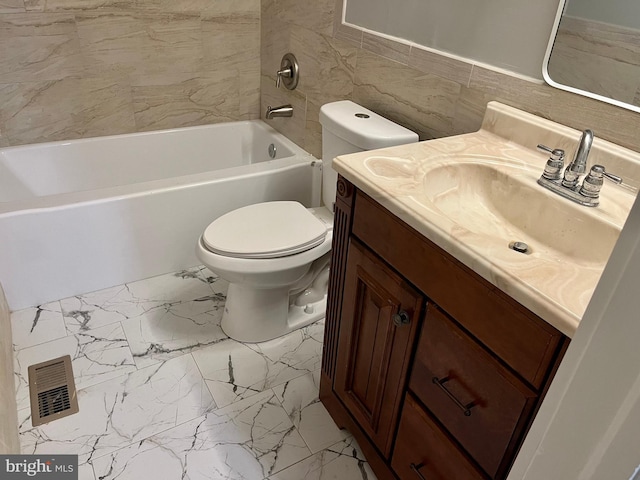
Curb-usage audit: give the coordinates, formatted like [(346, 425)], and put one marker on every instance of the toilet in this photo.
[(275, 255)]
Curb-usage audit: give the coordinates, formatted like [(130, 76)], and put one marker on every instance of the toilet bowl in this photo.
[(275, 255), (271, 292)]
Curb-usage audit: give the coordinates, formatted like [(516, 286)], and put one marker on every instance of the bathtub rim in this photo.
[(62, 200), (88, 197), (150, 133)]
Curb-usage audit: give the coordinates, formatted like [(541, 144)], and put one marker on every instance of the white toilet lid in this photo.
[(265, 230)]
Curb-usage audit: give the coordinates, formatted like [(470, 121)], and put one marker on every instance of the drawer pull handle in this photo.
[(401, 318), (416, 470), (466, 409)]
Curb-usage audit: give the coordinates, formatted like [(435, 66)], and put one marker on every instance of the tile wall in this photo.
[(8, 412), (73, 69), (429, 93)]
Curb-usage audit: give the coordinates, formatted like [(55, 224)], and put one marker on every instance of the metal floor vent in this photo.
[(52, 390)]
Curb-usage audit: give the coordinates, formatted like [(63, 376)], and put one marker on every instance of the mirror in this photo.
[(511, 35), (596, 51)]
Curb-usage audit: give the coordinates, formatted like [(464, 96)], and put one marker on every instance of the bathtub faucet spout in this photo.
[(281, 111)]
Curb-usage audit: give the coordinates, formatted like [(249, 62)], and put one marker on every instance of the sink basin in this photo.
[(500, 200)]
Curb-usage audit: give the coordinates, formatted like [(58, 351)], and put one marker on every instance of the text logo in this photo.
[(51, 467)]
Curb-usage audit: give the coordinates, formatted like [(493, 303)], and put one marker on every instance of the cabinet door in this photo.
[(379, 319)]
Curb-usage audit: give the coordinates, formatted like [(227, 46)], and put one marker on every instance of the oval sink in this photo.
[(503, 201)]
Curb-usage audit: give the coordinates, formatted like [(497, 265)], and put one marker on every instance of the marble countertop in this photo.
[(555, 282)]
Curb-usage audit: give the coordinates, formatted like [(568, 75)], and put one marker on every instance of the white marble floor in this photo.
[(164, 393)]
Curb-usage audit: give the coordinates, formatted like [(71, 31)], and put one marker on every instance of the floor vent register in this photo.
[(52, 390)]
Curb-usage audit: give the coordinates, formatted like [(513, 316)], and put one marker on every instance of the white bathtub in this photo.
[(83, 215)]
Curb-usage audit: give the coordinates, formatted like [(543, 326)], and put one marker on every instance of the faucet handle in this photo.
[(593, 181), (613, 178), (555, 163), (289, 72), (285, 72), (555, 152)]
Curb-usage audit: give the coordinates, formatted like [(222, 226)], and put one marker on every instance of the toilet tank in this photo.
[(348, 128)]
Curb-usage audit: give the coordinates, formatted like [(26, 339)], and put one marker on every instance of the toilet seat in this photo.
[(265, 230)]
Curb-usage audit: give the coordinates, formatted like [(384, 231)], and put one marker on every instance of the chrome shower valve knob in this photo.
[(289, 72)]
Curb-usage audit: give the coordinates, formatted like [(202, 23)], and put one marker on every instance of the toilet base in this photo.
[(252, 315)]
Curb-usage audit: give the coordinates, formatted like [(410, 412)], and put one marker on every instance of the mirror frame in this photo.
[(568, 88)]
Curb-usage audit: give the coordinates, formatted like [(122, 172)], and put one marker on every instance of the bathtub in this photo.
[(83, 215)]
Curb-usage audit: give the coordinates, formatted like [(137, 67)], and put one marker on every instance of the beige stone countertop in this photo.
[(473, 194)]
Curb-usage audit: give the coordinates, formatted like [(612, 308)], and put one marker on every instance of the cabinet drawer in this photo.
[(483, 405), (423, 451)]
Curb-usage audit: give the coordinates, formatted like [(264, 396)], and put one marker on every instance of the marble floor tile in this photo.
[(299, 398), (342, 461), (123, 411), (173, 330), (97, 356), (164, 393), (93, 310), (33, 326), (250, 439), (85, 472), (235, 370), (309, 351)]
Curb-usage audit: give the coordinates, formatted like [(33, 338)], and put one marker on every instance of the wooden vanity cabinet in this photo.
[(436, 372)]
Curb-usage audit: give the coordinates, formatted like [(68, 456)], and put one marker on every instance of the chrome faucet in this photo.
[(281, 111), (579, 165), (586, 194)]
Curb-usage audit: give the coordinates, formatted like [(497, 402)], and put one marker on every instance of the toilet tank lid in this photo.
[(362, 127)]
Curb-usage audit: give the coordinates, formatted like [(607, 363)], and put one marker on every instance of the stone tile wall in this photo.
[(73, 69), (432, 94)]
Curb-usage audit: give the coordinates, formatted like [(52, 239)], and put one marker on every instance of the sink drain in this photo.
[(519, 247)]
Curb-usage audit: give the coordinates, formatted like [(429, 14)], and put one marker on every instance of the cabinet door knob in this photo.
[(401, 318)]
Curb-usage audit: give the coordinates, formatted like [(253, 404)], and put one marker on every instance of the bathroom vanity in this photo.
[(441, 340), (435, 371)]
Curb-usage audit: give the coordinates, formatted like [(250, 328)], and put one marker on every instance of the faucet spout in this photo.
[(578, 166), (281, 111), (584, 147)]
